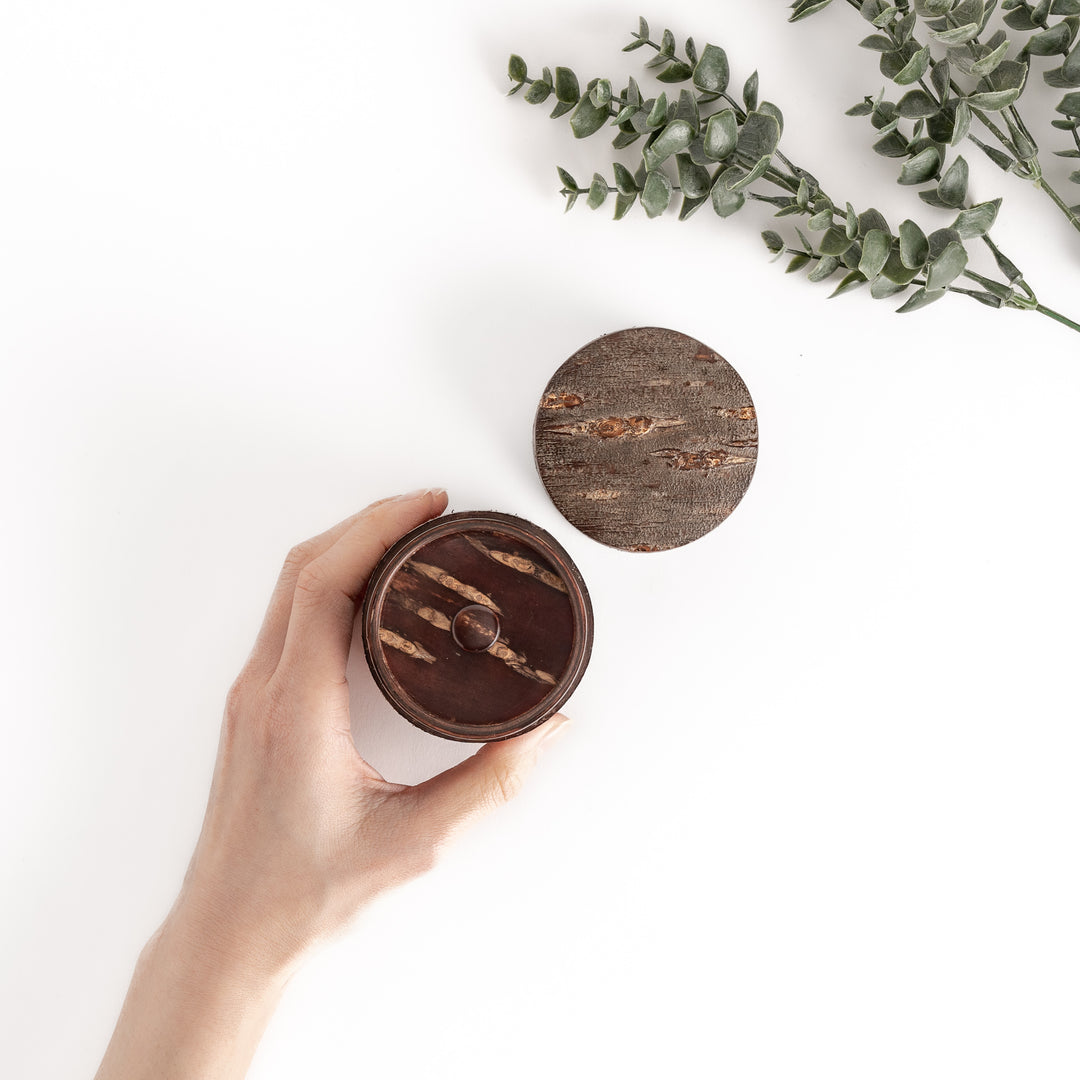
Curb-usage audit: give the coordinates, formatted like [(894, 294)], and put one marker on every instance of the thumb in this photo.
[(490, 778)]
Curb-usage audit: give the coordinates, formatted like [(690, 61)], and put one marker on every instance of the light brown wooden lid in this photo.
[(646, 439)]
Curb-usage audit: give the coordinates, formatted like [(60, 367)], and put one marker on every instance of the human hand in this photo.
[(300, 832)]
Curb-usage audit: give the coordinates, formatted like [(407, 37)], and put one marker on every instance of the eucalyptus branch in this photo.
[(724, 148), (956, 26)]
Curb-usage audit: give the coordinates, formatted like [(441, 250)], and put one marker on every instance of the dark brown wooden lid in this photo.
[(646, 439), (477, 626)]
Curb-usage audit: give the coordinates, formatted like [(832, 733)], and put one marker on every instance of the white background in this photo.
[(263, 263)]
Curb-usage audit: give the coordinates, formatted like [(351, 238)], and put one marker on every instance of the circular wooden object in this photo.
[(646, 439), (477, 626)]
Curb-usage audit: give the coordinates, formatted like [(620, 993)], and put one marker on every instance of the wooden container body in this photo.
[(477, 626)]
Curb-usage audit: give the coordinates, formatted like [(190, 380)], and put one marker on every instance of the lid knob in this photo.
[(475, 628)]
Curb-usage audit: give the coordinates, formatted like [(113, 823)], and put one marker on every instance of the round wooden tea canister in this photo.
[(477, 626)]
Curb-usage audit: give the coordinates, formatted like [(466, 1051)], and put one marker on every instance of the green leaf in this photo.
[(822, 221), (877, 43), (623, 204), (675, 138), (805, 8), (1070, 104), (571, 198), (849, 282), (797, 263), (896, 271), (947, 267), (721, 135), (598, 192), (956, 35), (568, 181), (826, 267), (688, 109), (566, 86), (1065, 7), (725, 201), (978, 220), (919, 169), (759, 135), (913, 245), (864, 108), (600, 94), (750, 93), (773, 241), (939, 79), (989, 62), (883, 287), (691, 206), (658, 113), (538, 92), (694, 181), (625, 138), (952, 189), (917, 104), (939, 240), (756, 173), (995, 99), (834, 242), (711, 73), (678, 72), (624, 179), (656, 194), (1051, 42), (961, 124), (851, 224), (769, 109), (914, 69), (561, 109), (587, 119), (517, 69), (920, 299), (872, 219), (875, 251)]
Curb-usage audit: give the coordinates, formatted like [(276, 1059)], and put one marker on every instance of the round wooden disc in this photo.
[(646, 439), (477, 626)]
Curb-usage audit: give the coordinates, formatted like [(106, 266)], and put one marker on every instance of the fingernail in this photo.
[(551, 728), (419, 493)]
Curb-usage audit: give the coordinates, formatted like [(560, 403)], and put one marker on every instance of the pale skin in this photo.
[(300, 832)]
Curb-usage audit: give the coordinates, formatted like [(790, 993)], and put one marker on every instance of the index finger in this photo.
[(323, 610)]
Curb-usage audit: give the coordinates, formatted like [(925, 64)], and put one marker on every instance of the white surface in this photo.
[(263, 263)]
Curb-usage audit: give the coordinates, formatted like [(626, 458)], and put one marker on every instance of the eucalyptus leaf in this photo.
[(598, 192), (676, 73), (675, 138), (721, 135), (755, 173), (773, 241), (875, 252), (517, 70), (624, 179), (750, 92), (711, 73), (568, 181), (567, 89), (694, 181), (978, 220), (920, 299), (947, 267), (1056, 39), (921, 167), (759, 135), (834, 242), (826, 267), (538, 92), (917, 103), (914, 247), (849, 282), (656, 193), (952, 188), (587, 119), (725, 201), (956, 35), (797, 263)]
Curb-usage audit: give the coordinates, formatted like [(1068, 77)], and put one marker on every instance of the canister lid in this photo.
[(477, 626), (646, 439)]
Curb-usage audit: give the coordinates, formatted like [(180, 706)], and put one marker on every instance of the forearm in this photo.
[(192, 1011)]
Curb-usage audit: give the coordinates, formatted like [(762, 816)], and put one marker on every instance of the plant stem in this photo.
[(1056, 316), (1058, 201)]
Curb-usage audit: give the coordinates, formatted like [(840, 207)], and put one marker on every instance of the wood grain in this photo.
[(646, 439), (477, 626)]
